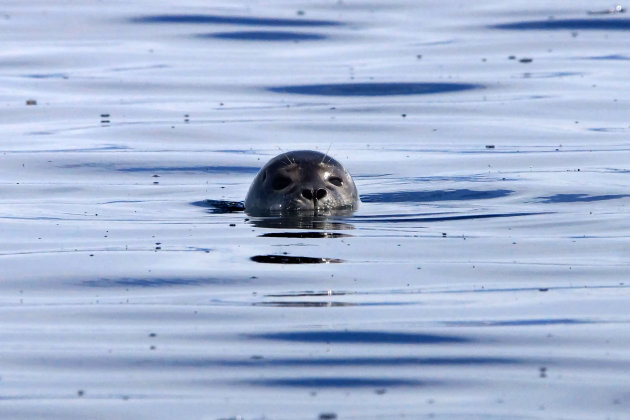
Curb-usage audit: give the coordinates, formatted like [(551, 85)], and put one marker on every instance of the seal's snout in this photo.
[(316, 194)]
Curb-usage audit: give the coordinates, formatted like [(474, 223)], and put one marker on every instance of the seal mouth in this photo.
[(303, 204), (307, 201)]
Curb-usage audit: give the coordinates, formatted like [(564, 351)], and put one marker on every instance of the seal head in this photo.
[(302, 181)]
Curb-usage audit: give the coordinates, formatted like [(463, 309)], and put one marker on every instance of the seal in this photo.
[(304, 182)]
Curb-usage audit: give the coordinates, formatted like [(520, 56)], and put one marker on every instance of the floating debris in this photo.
[(31, 102), (617, 9)]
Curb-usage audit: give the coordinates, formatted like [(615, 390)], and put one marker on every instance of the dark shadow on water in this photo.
[(159, 282), (305, 304), (232, 20), (221, 206), (302, 222), (288, 259), (204, 169), (264, 36), (519, 322), (47, 76), (375, 361), (362, 337), (608, 129), (374, 89), (326, 304), (385, 219), (308, 293), (330, 220), (336, 382), (429, 196), (610, 57), (549, 75), (568, 24), (306, 235), (579, 198)]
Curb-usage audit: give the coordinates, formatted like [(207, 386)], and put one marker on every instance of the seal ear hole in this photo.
[(280, 182), (335, 180)]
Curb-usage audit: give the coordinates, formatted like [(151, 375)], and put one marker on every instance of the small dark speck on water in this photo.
[(31, 102), (543, 289), (543, 372), (512, 57), (327, 416), (489, 146), (526, 60), (232, 224), (152, 335), (80, 393)]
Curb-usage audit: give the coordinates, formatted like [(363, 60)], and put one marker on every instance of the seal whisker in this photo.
[(285, 155), (326, 154)]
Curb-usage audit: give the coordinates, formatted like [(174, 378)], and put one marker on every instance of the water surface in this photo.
[(484, 276)]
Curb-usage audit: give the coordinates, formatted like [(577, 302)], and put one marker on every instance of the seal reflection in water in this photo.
[(302, 182)]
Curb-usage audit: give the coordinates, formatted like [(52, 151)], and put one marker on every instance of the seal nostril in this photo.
[(320, 193), (308, 194)]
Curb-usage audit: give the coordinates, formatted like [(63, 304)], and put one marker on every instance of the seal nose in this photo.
[(316, 194)]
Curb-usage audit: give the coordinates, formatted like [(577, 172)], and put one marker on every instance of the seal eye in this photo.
[(335, 180), (280, 182)]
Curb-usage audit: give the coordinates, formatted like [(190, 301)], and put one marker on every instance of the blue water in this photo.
[(485, 275)]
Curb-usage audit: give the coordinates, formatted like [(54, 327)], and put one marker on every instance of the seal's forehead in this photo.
[(304, 159)]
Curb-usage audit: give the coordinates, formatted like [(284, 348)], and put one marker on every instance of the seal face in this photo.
[(302, 181)]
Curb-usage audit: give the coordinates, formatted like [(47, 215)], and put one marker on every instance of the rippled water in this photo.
[(484, 276)]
